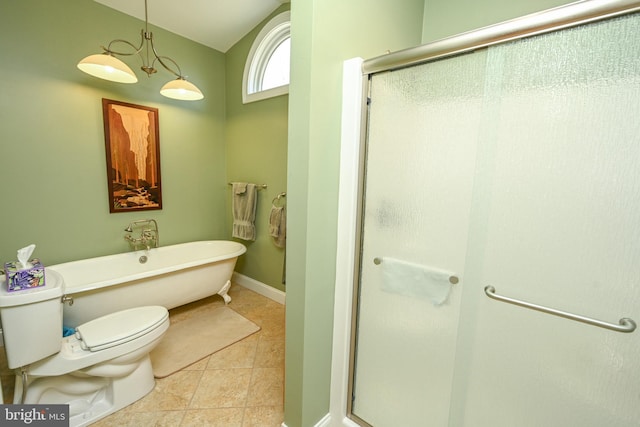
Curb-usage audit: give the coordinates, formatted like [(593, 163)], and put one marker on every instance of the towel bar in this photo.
[(625, 324), (452, 279), (258, 186)]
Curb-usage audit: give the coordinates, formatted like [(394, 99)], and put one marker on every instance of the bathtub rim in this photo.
[(70, 288)]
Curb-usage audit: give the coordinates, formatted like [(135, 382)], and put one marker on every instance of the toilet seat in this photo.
[(120, 327)]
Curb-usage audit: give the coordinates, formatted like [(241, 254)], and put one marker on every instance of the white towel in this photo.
[(244, 210), (278, 225), (415, 280)]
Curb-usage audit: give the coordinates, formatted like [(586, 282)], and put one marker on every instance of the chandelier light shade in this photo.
[(181, 89), (106, 66)]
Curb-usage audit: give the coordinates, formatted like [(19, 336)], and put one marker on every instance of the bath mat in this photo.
[(196, 337)]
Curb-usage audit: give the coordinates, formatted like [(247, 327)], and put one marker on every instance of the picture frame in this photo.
[(132, 143)]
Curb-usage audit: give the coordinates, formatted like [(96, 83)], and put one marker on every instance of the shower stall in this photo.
[(491, 274)]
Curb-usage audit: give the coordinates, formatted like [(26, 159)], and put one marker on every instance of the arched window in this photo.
[(266, 73)]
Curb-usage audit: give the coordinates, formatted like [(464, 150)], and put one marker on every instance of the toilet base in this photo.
[(90, 398)]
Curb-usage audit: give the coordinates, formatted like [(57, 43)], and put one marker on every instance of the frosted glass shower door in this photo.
[(420, 162), (516, 167)]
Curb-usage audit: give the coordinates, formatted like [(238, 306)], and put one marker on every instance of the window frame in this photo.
[(277, 30)]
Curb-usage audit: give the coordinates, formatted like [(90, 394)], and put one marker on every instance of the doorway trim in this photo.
[(351, 136)]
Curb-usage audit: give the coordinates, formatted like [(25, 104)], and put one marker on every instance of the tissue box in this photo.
[(18, 280)]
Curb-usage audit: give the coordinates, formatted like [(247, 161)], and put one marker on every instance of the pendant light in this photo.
[(106, 66)]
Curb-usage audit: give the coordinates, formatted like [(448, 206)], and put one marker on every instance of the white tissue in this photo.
[(24, 255)]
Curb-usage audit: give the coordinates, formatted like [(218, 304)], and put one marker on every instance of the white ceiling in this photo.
[(215, 23)]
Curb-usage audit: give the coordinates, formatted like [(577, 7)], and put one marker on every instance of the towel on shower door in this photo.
[(415, 280), (278, 225), (244, 210)]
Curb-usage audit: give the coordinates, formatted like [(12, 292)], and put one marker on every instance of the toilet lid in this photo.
[(120, 327)]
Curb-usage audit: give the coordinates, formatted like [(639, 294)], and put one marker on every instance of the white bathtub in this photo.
[(171, 276)]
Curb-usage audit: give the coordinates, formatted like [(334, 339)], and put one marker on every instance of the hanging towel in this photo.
[(244, 210), (278, 225), (415, 280), (239, 187)]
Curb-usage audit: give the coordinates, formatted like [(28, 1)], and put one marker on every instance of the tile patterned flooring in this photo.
[(239, 386)]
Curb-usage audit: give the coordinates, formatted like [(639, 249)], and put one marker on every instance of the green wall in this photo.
[(53, 170), (256, 141), (443, 18)]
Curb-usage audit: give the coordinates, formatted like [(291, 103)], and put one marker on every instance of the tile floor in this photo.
[(239, 386)]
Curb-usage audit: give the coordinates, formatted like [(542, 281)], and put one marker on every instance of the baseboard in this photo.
[(259, 287), (324, 422)]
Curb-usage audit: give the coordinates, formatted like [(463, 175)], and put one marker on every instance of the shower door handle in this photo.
[(625, 324)]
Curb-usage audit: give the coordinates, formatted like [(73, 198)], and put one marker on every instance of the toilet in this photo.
[(100, 369)]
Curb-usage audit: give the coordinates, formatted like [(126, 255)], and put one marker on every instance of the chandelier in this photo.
[(106, 66)]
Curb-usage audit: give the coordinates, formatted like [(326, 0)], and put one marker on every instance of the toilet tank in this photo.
[(32, 320)]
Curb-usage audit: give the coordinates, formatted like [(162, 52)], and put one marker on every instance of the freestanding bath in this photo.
[(168, 276)]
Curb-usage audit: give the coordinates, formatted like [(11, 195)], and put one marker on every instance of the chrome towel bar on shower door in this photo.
[(625, 324)]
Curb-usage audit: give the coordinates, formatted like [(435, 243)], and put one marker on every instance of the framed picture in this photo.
[(132, 142)]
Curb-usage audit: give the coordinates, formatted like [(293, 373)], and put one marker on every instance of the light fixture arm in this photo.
[(114, 52), (161, 58)]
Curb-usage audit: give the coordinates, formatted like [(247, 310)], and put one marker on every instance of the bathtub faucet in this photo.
[(149, 236)]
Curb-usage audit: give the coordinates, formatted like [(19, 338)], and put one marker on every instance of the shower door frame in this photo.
[(357, 76)]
